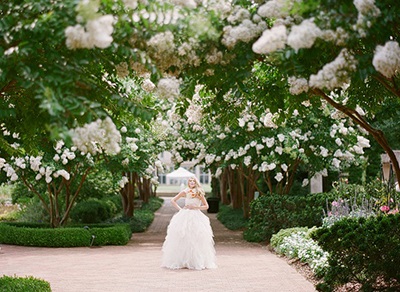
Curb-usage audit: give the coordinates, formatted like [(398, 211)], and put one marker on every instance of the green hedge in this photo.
[(364, 251), (231, 218), (271, 213), (42, 235), (92, 211), (26, 284)]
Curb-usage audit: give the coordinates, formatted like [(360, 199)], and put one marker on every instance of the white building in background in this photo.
[(165, 157)]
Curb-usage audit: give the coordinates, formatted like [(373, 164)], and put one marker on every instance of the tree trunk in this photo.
[(249, 178), (145, 189), (292, 175), (234, 189), (223, 185), (128, 195)]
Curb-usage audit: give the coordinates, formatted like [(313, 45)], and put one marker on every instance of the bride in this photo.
[(189, 242)]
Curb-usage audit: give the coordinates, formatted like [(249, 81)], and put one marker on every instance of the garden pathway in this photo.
[(242, 266)]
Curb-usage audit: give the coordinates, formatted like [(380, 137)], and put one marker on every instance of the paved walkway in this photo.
[(242, 266)]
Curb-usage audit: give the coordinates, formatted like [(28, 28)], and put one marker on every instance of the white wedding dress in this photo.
[(189, 242)]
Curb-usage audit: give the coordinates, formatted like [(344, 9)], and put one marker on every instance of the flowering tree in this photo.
[(137, 165), (252, 139), (345, 53), (330, 52), (48, 89), (64, 169)]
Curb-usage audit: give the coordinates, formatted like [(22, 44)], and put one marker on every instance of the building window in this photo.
[(204, 176), (162, 178)]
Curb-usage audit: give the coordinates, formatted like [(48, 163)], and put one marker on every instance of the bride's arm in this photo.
[(176, 198)]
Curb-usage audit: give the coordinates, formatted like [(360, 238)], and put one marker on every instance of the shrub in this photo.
[(153, 205), (364, 251), (26, 284), (91, 211), (271, 213), (119, 234), (98, 184), (231, 218), (141, 220), (143, 217), (42, 235)]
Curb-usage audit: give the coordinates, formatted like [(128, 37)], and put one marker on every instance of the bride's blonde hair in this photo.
[(198, 189)]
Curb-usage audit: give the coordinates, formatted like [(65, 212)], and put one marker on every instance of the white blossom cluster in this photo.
[(8, 169), (97, 137), (387, 59), (271, 40), (366, 9), (148, 86), (162, 43), (33, 163), (168, 88), (238, 15), (248, 120), (267, 119), (132, 4), (244, 32), (95, 33), (6, 133), (303, 35), (335, 74), (131, 143), (160, 17), (214, 56), (275, 9), (187, 52), (297, 85), (185, 3), (123, 181), (194, 113)]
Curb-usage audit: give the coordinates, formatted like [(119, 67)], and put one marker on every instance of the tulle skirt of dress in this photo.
[(189, 242)]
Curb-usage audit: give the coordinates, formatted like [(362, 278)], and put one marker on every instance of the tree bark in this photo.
[(223, 185), (234, 189), (290, 180)]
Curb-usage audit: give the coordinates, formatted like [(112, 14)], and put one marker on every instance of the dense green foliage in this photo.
[(143, 217), (93, 211), (271, 213), (153, 205), (141, 220), (25, 284), (364, 251), (231, 218), (42, 235)]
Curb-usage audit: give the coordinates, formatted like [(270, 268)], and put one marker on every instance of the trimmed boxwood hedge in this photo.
[(362, 250), (73, 236), (26, 284), (271, 213)]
